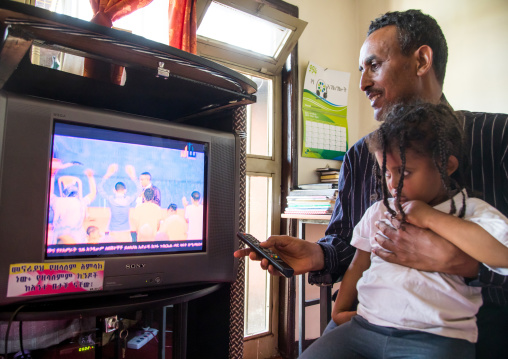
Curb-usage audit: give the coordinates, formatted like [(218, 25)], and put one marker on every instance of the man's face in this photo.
[(422, 180), (144, 180), (121, 191), (388, 77)]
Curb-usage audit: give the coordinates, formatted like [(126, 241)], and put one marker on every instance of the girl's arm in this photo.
[(346, 298), (468, 236)]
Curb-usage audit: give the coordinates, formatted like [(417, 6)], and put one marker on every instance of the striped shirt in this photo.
[(487, 140)]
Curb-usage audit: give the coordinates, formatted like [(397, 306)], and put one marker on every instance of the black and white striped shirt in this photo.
[(487, 143)]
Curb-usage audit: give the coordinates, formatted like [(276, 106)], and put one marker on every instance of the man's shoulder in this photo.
[(483, 117), (358, 147)]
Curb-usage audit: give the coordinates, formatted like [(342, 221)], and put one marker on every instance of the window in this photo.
[(262, 205), (260, 119), (262, 39), (253, 33), (258, 284)]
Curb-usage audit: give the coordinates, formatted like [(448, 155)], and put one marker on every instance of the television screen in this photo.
[(123, 193)]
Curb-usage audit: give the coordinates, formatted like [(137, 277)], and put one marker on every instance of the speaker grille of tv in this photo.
[(222, 192)]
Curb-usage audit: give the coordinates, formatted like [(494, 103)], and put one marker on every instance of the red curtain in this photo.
[(108, 11), (182, 25), (105, 13)]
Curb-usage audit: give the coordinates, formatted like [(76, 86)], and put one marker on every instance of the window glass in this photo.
[(258, 209), (140, 22), (250, 32), (260, 119)]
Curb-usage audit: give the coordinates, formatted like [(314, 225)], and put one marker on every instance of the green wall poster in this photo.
[(324, 113)]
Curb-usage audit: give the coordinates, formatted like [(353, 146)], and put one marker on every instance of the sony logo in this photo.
[(134, 266)]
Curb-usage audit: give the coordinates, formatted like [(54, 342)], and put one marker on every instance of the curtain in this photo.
[(105, 13), (182, 25), (108, 11)]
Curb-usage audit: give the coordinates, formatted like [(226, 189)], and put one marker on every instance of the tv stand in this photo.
[(106, 305), (155, 305)]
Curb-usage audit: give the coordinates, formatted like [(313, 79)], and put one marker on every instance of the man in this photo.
[(147, 217), (404, 58), (146, 182), (194, 216), (69, 210), (174, 227), (120, 204)]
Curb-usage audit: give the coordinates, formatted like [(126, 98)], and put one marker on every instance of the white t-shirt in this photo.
[(395, 296)]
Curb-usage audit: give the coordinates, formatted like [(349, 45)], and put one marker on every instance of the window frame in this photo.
[(229, 54)]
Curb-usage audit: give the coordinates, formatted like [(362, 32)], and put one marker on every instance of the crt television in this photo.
[(95, 202)]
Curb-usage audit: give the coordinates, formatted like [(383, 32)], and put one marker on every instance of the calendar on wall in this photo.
[(324, 113), (325, 136)]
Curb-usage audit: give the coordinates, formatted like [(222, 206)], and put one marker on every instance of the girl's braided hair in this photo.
[(429, 130)]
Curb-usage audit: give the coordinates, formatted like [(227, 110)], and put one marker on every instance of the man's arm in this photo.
[(422, 249), (131, 172), (156, 195), (432, 253), (93, 188), (112, 168), (302, 256)]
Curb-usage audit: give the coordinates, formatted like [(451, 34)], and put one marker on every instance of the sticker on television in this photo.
[(29, 279)]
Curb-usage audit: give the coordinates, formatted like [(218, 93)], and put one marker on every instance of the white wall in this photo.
[(476, 32), (331, 40)]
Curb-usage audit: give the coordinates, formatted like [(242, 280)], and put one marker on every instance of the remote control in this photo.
[(273, 258)]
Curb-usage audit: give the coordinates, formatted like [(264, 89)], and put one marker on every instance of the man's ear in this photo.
[(453, 164), (423, 59)]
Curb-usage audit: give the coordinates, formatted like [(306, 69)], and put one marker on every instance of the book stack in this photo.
[(311, 201), (328, 174)]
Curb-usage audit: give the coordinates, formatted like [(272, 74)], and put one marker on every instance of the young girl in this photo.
[(404, 312)]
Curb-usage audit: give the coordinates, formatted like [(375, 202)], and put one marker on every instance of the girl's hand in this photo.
[(343, 317), (418, 213)]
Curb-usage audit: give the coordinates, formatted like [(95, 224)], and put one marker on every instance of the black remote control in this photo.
[(273, 258)]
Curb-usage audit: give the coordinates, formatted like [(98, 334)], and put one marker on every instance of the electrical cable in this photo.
[(11, 319), (21, 340)]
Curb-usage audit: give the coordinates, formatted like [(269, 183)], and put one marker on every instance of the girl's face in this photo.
[(422, 180)]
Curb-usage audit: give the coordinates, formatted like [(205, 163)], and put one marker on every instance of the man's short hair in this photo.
[(416, 29), (119, 186), (148, 194), (195, 196), (172, 206), (146, 174)]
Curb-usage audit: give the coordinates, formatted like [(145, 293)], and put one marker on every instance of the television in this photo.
[(96, 202)]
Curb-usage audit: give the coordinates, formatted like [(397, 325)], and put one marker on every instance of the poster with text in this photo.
[(324, 113)]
